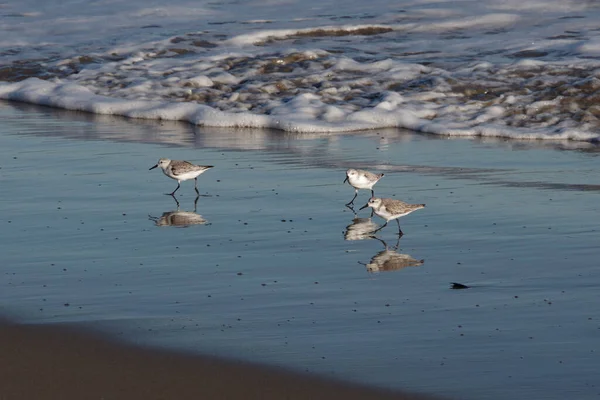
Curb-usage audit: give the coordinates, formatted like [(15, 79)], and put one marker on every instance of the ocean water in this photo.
[(515, 69)]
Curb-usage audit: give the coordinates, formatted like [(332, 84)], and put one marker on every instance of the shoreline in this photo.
[(58, 362)]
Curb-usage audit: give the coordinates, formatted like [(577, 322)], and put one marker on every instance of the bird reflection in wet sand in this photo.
[(178, 218), (390, 260), (360, 229)]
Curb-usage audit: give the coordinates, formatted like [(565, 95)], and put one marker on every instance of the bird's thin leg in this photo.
[(196, 202), (380, 228), (176, 189), (400, 233), (196, 186), (352, 201), (372, 193), (372, 212)]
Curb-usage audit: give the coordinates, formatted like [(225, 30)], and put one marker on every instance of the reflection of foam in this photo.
[(360, 229), (255, 139), (296, 149), (180, 219)]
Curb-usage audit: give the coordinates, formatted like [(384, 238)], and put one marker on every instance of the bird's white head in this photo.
[(163, 163), (351, 172), (374, 202)]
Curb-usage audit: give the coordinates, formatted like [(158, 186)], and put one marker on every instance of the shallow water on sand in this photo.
[(272, 267)]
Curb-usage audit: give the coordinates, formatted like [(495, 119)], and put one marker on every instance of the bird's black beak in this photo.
[(365, 206), (346, 180), (153, 167)]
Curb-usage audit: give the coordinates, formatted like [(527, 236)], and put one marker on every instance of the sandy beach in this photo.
[(53, 362)]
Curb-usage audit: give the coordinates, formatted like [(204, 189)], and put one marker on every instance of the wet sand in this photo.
[(270, 267), (51, 362)]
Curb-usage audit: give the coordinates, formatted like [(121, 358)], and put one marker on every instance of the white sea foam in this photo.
[(298, 115), (474, 68)]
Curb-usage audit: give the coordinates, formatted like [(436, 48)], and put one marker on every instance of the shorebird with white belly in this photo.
[(361, 179), (390, 209), (181, 171)]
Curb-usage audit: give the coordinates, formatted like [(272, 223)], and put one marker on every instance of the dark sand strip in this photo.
[(49, 362)]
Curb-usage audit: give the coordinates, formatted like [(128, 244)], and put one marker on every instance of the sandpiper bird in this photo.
[(361, 179), (390, 209), (181, 171)]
